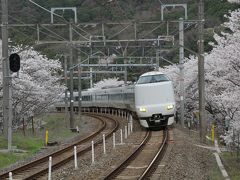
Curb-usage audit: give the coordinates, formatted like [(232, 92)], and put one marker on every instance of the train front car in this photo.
[(154, 100)]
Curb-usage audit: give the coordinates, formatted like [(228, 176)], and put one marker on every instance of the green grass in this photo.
[(9, 158), (32, 143), (232, 164), (29, 144), (57, 127), (215, 173)]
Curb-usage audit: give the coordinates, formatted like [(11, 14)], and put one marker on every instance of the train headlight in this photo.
[(143, 109), (169, 107)]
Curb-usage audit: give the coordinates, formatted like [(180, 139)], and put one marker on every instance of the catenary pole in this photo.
[(79, 86), (158, 58), (66, 91), (201, 85), (7, 93), (181, 67), (91, 77), (125, 68), (71, 77)]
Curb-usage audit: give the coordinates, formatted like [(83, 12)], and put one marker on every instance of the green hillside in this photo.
[(23, 11), (102, 11)]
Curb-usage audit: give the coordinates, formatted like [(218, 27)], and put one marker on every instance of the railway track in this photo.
[(39, 167), (142, 162)]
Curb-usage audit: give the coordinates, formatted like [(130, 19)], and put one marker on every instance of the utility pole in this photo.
[(72, 123), (66, 91), (201, 85), (181, 67), (79, 86), (125, 73), (125, 68), (7, 93), (158, 58), (91, 78)]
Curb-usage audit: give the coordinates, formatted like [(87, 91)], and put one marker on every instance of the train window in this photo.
[(153, 79), (115, 97), (129, 97), (98, 97), (86, 98), (102, 97), (105, 97)]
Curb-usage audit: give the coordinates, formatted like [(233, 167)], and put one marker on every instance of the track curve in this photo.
[(140, 163), (39, 167)]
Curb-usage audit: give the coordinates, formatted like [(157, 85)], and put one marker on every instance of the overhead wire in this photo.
[(143, 37), (31, 27), (125, 27), (60, 17), (26, 48), (80, 34), (62, 38), (176, 32), (81, 29), (65, 22), (47, 34), (124, 13), (46, 9)]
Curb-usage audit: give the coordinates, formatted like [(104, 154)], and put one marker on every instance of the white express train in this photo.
[(151, 99)]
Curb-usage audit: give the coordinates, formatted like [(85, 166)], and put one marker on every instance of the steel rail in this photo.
[(59, 164), (116, 171), (44, 159), (160, 152)]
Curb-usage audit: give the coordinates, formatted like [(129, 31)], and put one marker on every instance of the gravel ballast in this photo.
[(103, 163), (185, 160)]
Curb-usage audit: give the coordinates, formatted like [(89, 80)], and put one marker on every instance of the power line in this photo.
[(46, 9), (32, 27), (47, 34)]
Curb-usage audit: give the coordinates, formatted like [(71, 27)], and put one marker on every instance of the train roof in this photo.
[(151, 73)]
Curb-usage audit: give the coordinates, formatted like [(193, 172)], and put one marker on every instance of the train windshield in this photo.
[(153, 79)]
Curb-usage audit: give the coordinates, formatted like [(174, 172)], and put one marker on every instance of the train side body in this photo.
[(152, 102), (114, 97)]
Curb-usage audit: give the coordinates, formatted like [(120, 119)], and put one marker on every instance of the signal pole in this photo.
[(7, 93), (201, 85)]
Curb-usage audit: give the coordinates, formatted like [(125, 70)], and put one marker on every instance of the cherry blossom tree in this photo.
[(234, 1), (222, 78), (37, 85), (110, 82), (224, 73)]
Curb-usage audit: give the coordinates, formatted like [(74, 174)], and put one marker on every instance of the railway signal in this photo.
[(14, 62)]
